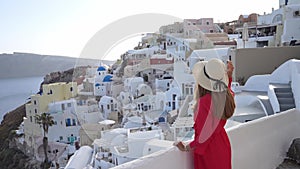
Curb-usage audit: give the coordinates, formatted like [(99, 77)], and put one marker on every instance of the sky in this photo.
[(55, 27)]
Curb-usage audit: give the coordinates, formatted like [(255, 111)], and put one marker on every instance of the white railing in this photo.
[(259, 144), (273, 99)]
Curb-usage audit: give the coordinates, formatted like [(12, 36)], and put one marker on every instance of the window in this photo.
[(207, 22), (277, 18), (74, 122), (30, 118), (63, 107), (68, 122), (51, 91), (35, 110), (108, 107), (61, 138), (174, 96), (69, 104), (34, 102), (186, 90), (71, 89)]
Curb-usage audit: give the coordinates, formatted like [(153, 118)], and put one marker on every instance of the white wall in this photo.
[(295, 84), (291, 24), (259, 144), (283, 73), (263, 143), (257, 83), (164, 159)]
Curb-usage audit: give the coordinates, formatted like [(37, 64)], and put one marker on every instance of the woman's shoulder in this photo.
[(206, 97)]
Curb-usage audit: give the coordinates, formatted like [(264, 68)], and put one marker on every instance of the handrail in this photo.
[(273, 99)]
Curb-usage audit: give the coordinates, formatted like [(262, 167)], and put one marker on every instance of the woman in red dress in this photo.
[(214, 105)]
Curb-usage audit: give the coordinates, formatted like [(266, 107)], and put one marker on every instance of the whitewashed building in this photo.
[(66, 125), (183, 78), (126, 145), (103, 82), (143, 90), (163, 83), (279, 28), (107, 105), (207, 54), (54, 92), (172, 97), (131, 84)]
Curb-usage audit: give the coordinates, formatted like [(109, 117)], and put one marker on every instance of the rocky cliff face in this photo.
[(10, 156), (74, 74)]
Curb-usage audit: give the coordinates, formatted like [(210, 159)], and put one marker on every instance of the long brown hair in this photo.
[(221, 109)]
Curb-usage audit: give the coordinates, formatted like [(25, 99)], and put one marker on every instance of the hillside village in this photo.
[(141, 104)]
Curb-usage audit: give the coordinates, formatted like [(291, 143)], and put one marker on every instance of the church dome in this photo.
[(107, 78), (101, 68)]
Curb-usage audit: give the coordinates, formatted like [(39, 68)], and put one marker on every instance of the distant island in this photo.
[(28, 64)]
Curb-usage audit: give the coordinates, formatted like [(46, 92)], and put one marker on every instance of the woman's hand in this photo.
[(229, 69), (181, 146)]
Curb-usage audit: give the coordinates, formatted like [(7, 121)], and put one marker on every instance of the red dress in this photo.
[(211, 144)]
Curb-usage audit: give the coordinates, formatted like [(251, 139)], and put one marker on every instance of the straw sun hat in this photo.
[(211, 75)]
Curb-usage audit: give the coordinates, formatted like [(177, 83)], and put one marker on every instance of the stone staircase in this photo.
[(285, 98)]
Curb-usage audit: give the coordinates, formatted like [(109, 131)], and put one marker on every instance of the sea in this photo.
[(17, 91)]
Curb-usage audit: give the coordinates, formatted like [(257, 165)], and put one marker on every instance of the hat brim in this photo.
[(203, 81)]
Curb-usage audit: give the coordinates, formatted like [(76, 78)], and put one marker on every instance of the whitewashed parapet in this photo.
[(258, 144), (295, 84)]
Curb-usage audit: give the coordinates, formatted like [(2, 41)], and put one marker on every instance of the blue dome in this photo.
[(97, 84), (107, 78), (101, 68)]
